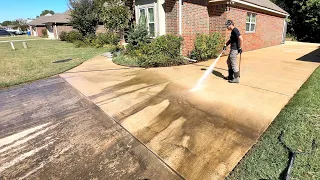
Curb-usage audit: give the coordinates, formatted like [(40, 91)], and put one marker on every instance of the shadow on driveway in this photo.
[(314, 56), (218, 74)]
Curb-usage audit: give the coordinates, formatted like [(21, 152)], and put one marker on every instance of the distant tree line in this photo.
[(19, 23), (303, 22)]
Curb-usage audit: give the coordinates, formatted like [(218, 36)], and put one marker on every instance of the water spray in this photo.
[(206, 74)]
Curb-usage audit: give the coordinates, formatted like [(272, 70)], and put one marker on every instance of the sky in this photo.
[(14, 9)]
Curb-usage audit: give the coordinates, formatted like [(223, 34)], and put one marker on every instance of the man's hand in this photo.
[(240, 50), (224, 47)]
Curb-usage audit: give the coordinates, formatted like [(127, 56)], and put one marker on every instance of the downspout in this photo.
[(180, 17), (180, 22), (284, 29), (158, 18)]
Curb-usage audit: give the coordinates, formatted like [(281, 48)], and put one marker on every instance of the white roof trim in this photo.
[(253, 5), (259, 7)]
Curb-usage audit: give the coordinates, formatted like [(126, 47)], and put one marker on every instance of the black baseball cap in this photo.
[(229, 22)]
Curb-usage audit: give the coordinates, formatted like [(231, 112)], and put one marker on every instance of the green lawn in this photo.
[(300, 121), (21, 37), (25, 65)]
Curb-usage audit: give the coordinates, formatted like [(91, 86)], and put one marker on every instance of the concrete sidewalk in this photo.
[(20, 40), (202, 134), (48, 130)]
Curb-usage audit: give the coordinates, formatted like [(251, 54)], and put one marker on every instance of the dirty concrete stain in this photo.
[(71, 139), (197, 141), (17, 136), (139, 77), (203, 135), (131, 124)]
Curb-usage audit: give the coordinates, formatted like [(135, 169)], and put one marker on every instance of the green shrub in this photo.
[(79, 43), (126, 60), (108, 38), (206, 46), (161, 51), (168, 45), (89, 39), (160, 60), (138, 35), (44, 33), (73, 36), (63, 36), (112, 48)]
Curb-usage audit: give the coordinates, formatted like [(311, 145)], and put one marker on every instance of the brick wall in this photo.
[(100, 29), (67, 28), (39, 30), (217, 19), (195, 19), (269, 29), (198, 17), (171, 8), (62, 28)]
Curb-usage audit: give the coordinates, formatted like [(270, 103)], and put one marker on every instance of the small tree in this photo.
[(6, 23), (44, 33), (116, 15), (45, 12), (138, 35), (84, 16), (21, 24)]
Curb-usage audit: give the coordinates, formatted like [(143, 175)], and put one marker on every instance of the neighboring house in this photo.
[(57, 23), (38, 25), (54, 24), (261, 22)]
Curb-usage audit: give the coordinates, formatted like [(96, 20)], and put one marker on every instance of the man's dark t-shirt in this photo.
[(234, 41)]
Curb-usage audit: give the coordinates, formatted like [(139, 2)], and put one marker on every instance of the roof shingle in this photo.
[(39, 21), (267, 4), (59, 18), (56, 18)]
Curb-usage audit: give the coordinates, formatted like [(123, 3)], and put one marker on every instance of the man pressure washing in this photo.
[(236, 42)]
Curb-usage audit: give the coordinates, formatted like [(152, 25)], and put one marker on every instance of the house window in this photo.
[(148, 13), (251, 22)]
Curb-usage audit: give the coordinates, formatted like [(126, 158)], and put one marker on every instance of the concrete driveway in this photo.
[(202, 134), (48, 130)]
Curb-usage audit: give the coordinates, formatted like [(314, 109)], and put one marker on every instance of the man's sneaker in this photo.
[(236, 78), (230, 75)]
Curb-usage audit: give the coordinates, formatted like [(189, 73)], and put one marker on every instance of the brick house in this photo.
[(58, 23), (54, 24), (261, 23), (37, 25)]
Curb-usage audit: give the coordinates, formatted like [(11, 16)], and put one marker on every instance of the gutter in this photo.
[(251, 5)]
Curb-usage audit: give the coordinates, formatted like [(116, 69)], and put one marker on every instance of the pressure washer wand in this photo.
[(240, 65)]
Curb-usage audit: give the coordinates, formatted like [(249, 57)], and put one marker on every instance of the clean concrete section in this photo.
[(202, 134), (48, 130)]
